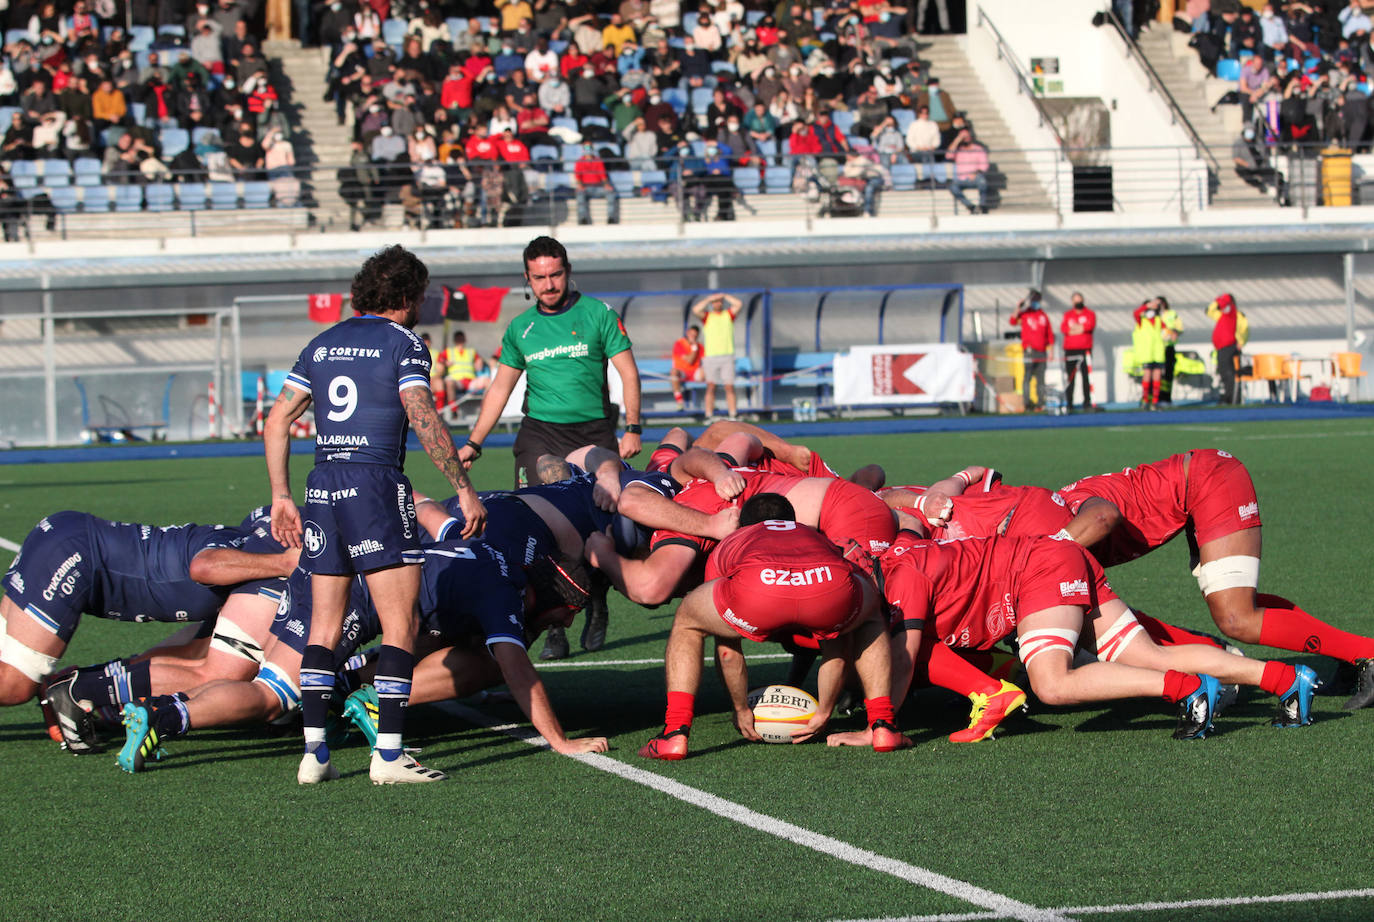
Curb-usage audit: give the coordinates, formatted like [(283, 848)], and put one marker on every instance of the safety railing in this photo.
[(1023, 82)]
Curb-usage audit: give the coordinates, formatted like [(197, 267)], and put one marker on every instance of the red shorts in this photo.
[(1057, 571), (851, 512), (662, 459), (1221, 496), (763, 602), (818, 467)]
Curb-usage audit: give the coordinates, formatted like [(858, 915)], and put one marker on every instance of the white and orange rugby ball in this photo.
[(780, 711)]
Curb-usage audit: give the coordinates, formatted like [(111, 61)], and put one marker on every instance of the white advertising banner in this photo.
[(914, 374)]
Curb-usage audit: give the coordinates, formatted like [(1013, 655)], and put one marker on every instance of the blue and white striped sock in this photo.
[(395, 667)]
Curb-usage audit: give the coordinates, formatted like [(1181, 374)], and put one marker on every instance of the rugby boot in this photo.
[(668, 745), (313, 771), (142, 742), (989, 711), (1364, 685), (555, 644), (1295, 705), (401, 770), (886, 736), (364, 709), (598, 615), (75, 722), (49, 719), (1195, 711)]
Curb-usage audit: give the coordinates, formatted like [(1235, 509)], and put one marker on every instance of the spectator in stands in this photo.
[(507, 61), (717, 180), (47, 25), (657, 111), (533, 123), (834, 145), (501, 119), (484, 160), (122, 159), (386, 147), (1251, 160), (749, 60), (209, 152), (1355, 22), (695, 62), (37, 101), (941, 10), (191, 103), (12, 209), (75, 99), (761, 126), (707, 35), (662, 64), (829, 87), (47, 135), (720, 110), (153, 69), (78, 138), (228, 12), (429, 27), (207, 45), (1256, 83), (588, 90), (420, 146), (246, 156), (942, 110), (732, 136), (870, 112), (687, 355), (360, 187), (593, 182), (642, 150), (862, 174), (333, 23), (555, 97), (923, 141), (970, 161), (18, 143), (784, 111), (1353, 107), (621, 106), (279, 159)]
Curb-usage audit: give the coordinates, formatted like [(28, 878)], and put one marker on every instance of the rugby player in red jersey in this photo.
[(1208, 495), (771, 579), (1048, 591)]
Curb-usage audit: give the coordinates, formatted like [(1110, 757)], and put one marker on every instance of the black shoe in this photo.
[(1343, 682), (76, 723), (1364, 685), (555, 644), (597, 616)]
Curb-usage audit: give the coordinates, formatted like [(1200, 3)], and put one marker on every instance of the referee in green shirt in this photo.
[(562, 344)]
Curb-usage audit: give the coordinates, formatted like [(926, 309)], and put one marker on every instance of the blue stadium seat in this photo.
[(56, 172), (87, 171), (843, 120), (768, 148), (257, 195), (224, 195), (174, 141), (898, 62), (110, 136), (456, 26), (656, 178), (563, 121), (701, 99), (30, 193), (63, 198), (607, 148), (818, 16), (128, 198), (777, 180), (677, 42), (173, 29), (14, 35), (676, 98), (723, 67), (141, 37), (97, 199), (601, 120), (159, 196), (570, 153), (393, 31), (138, 111), (558, 46), (903, 175), (1228, 69), (903, 118), (747, 181), (7, 115), (623, 181), (191, 196), (198, 135), (24, 174), (543, 152)]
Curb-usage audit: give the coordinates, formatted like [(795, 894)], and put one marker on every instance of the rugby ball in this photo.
[(780, 711)]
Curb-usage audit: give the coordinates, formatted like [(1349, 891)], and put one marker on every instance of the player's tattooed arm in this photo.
[(438, 444), (276, 439)]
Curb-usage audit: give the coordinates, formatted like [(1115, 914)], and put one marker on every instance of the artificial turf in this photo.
[(1078, 807)]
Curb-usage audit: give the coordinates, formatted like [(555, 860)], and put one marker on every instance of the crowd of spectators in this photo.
[(188, 99), (469, 118), (1302, 68)]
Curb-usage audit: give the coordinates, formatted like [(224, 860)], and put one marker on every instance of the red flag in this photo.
[(484, 304), (326, 308)]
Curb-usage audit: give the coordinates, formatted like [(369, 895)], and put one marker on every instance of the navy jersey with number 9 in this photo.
[(353, 372)]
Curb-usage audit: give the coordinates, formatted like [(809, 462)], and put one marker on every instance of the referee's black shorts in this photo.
[(537, 437)]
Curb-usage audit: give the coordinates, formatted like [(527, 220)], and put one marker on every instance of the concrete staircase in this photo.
[(1195, 91), (322, 144), (945, 57)]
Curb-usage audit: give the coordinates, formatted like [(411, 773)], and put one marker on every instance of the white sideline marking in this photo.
[(571, 664), (1002, 906), (9, 545), (1217, 902)]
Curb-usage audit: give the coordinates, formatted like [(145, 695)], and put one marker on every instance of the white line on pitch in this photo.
[(9, 545), (1002, 906), (1276, 436), (1217, 902), (571, 664)]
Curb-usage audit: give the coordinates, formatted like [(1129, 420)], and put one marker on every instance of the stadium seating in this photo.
[(393, 31), (223, 195), (777, 180), (191, 196), (97, 199), (63, 198), (56, 172), (87, 171), (173, 141), (128, 198), (747, 180), (257, 195), (159, 196)]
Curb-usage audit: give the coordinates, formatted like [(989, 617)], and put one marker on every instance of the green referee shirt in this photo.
[(564, 358)]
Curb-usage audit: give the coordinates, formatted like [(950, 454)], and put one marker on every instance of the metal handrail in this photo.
[(1005, 53), (1157, 84)]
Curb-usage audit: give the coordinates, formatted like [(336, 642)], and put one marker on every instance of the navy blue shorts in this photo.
[(292, 622), (358, 518), (53, 577)]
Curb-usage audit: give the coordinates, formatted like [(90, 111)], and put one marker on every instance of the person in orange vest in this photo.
[(687, 352), (1077, 326), (1037, 336)]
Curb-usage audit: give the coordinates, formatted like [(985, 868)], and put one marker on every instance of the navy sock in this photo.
[(317, 688), (168, 716), (395, 667), (115, 683)]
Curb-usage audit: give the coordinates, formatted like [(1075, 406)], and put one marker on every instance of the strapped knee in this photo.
[(1046, 640), (281, 685), (1228, 573), (1118, 637), (30, 663), (232, 639)]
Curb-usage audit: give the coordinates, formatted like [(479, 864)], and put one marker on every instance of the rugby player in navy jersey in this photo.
[(73, 563), (470, 597), (370, 378)]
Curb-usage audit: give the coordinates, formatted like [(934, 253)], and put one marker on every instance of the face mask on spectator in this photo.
[(228, 83), (733, 126), (655, 99), (386, 130), (588, 72), (350, 36)]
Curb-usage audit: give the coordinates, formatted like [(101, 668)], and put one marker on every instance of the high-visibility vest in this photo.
[(461, 362)]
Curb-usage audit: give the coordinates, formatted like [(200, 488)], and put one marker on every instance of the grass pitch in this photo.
[(1095, 809)]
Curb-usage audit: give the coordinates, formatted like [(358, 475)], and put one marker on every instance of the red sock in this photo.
[(1278, 677), (681, 708), (1154, 392), (948, 669), (879, 708), (1288, 627), (1170, 635), (1179, 685)]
